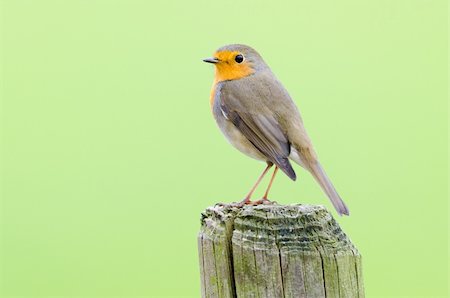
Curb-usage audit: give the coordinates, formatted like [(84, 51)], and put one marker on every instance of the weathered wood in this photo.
[(276, 251)]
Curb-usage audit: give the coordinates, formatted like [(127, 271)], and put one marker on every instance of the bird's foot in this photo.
[(263, 201), (240, 204), (247, 202)]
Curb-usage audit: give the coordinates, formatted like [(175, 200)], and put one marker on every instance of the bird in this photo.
[(259, 118)]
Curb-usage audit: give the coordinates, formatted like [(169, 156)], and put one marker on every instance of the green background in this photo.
[(110, 152)]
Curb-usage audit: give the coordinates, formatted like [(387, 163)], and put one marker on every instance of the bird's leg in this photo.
[(264, 199), (249, 195), (270, 184)]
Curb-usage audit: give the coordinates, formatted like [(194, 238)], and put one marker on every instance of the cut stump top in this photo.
[(276, 251), (291, 227)]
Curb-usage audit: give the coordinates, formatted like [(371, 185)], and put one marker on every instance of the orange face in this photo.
[(231, 66)]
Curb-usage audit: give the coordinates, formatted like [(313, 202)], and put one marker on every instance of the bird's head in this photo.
[(236, 61)]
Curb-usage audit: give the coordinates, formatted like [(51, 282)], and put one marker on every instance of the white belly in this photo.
[(238, 140)]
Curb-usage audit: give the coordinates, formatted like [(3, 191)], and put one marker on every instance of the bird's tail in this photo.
[(321, 177)]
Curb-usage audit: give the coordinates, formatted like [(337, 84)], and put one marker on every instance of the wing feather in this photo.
[(261, 129)]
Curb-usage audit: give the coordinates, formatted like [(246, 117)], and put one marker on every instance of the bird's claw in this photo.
[(263, 201), (247, 202)]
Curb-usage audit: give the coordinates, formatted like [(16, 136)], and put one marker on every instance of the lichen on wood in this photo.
[(276, 251)]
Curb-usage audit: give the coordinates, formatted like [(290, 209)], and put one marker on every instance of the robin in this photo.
[(259, 118)]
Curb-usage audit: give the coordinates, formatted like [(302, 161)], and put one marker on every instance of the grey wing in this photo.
[(262, 130)]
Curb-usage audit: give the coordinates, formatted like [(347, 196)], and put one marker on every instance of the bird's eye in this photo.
[(239, 58)]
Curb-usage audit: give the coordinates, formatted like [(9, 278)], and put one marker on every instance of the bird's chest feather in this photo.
[(232, 134)]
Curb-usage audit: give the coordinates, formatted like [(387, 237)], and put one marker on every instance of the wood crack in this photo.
[(275, 251)]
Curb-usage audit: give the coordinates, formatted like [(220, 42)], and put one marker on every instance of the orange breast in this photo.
[(213, 93)]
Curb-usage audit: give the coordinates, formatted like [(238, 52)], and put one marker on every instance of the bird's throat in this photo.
[(231, 71)]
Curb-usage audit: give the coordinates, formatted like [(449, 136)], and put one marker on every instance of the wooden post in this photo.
[(276, 251)]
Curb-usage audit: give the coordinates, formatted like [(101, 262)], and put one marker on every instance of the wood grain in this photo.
[(276, 251)]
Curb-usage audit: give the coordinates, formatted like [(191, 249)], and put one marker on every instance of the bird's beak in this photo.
[(211, 60)]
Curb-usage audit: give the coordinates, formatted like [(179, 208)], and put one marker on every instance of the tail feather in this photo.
[(321, 177)]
